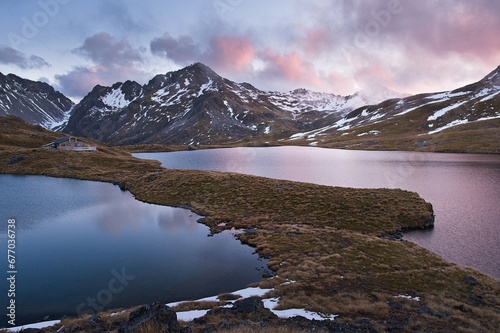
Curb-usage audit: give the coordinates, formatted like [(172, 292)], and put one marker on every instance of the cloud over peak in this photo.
[(113, 60), (10, 56), (104, 49)]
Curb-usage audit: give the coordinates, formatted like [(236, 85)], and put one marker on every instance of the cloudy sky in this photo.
[(337, 46)]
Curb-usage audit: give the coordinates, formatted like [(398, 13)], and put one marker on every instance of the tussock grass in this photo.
[(197, 305), (244, 329)]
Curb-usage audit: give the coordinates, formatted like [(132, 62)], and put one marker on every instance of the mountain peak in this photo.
[(493, 76), (32, 101), (200, 66), (199, 69), (374, 94)]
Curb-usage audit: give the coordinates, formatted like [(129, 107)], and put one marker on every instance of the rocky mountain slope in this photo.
[(418, 118), (34, 102), (197, 106)]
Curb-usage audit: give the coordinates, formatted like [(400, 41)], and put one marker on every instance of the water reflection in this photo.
[(463, 188), (70, 241)]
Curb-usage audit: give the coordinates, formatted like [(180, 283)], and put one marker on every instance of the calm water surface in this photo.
[(464, 189), (83, 246)]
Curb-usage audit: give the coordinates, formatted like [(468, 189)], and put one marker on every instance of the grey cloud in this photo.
[(114, 60), (10, 56), (77, 82), (104, 49), (181, 50), (440, 27), (120, 14)]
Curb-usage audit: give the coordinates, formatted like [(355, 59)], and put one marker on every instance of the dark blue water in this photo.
[(86, 246), (464, 189)]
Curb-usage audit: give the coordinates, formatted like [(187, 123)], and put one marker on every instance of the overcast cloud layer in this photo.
[(337, 46)]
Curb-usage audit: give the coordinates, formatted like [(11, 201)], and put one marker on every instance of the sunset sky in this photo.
[(337, 46)]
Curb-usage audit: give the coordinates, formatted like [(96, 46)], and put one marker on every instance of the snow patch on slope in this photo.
[(442, 112), (461, 122), (115, 99), (447, 95), (489, 97), (270, 303), (209, 86)]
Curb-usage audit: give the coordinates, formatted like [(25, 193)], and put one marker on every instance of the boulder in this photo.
[(156, 317)]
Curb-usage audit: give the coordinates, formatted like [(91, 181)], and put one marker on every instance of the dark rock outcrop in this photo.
[(157, 317), (93, 324)]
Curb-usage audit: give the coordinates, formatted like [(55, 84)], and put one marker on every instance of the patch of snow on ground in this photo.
[(191, 315), (37, 325), (489, 97), (447, 95), (377, 116), (483, 92), (442, 112), (408, 110), (369, 133), (313, 133), (461, 122), (489, 118), (345, 128), (416, 299), (267, 130), (297, 136), (272, 303), (452, 124)]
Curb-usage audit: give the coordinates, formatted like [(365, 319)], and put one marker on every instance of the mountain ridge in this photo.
[(33, 101), (459, 117), (196, 106)]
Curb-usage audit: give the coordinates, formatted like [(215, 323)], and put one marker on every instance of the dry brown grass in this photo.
[(280, 329), (197, 305), (482, 137), (151, 327)]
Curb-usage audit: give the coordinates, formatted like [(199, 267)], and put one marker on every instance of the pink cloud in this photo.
[(291, 67), (316, 41), (234, 53), (338, 83), (373, 74)]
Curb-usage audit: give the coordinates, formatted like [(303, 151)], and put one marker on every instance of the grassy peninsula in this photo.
[(330, 241)]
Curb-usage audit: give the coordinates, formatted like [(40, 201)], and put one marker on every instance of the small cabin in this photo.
[(69, 144)]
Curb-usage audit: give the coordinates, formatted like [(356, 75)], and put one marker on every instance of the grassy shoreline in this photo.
[(326, 239)]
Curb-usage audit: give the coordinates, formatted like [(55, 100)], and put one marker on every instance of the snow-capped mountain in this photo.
[(418, 115), (100, 104), (195, 105), (372, 95), (35, 102)]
